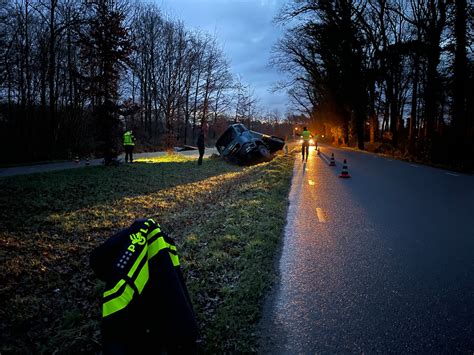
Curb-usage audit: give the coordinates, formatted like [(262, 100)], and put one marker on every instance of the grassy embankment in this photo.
[(227, 222)]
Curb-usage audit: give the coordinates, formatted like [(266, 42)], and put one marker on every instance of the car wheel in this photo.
[(264, 152)]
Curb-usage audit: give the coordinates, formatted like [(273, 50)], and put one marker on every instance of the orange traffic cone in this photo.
[(332, 162), (77, 159), (344, 172)]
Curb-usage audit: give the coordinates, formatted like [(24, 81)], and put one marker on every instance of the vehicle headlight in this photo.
[(311, 141)]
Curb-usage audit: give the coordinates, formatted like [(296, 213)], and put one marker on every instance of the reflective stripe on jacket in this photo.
[(128, 138), (145, 292), (132, 268)]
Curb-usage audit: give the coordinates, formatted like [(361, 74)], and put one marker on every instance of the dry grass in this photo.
[(227, 222)]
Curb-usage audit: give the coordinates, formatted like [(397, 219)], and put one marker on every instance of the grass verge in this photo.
[(227, 222)]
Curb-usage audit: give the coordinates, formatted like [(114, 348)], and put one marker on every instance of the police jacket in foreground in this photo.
[(146, 307)]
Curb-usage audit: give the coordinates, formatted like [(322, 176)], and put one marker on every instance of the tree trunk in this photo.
[(414, 105), (360, 119), (51, 75), (459, 84), (393, 106), (434, 30)]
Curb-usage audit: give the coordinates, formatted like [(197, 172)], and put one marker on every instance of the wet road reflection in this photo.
[(351, 279)]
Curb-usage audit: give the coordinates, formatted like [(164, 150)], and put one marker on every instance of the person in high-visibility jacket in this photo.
[(306, 135), (128, 145), (146, 307)]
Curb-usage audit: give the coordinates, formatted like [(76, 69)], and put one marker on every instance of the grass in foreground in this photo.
[(227, 222)]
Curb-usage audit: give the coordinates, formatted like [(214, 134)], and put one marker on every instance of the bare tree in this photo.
[(105, 53), (327, 45)]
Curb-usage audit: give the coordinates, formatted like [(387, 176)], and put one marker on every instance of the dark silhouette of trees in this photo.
[(328, 47), (74, 74), (379, 70), (462, 123), (106, 48)]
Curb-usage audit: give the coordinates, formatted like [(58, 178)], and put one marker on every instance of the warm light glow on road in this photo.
[(321, 215)]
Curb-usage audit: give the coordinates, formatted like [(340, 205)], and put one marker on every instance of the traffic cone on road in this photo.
[(317, 150), (332, 162), (77, 159), (344, 172), (87, 161)]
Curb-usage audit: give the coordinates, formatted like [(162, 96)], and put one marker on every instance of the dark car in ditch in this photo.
[(243, 146)]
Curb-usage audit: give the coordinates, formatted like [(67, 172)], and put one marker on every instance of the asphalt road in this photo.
[(382, 262), (38, 168)]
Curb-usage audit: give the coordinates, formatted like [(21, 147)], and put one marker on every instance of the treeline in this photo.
[(75, 74), (397, 71)]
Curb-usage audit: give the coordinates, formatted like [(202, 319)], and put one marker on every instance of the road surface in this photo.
[(382, 262), (37, 168)]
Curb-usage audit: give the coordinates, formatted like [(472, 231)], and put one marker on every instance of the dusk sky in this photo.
[(246, 32)]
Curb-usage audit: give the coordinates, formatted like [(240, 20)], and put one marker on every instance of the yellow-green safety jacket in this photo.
[(128, 138), (306, 136), (146, 302)]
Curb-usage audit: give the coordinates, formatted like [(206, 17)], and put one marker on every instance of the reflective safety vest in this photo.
[(306, 136), (145, 300), (128, 138)]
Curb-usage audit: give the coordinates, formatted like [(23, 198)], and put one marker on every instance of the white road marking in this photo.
[(324, 158), (320, 214), (311, 182), (452, 174), (415, 166)]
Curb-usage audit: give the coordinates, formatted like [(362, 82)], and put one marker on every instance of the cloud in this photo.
[(245, 29)]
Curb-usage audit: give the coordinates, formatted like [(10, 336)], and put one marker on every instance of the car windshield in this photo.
[(239, 128), (226, 138)]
